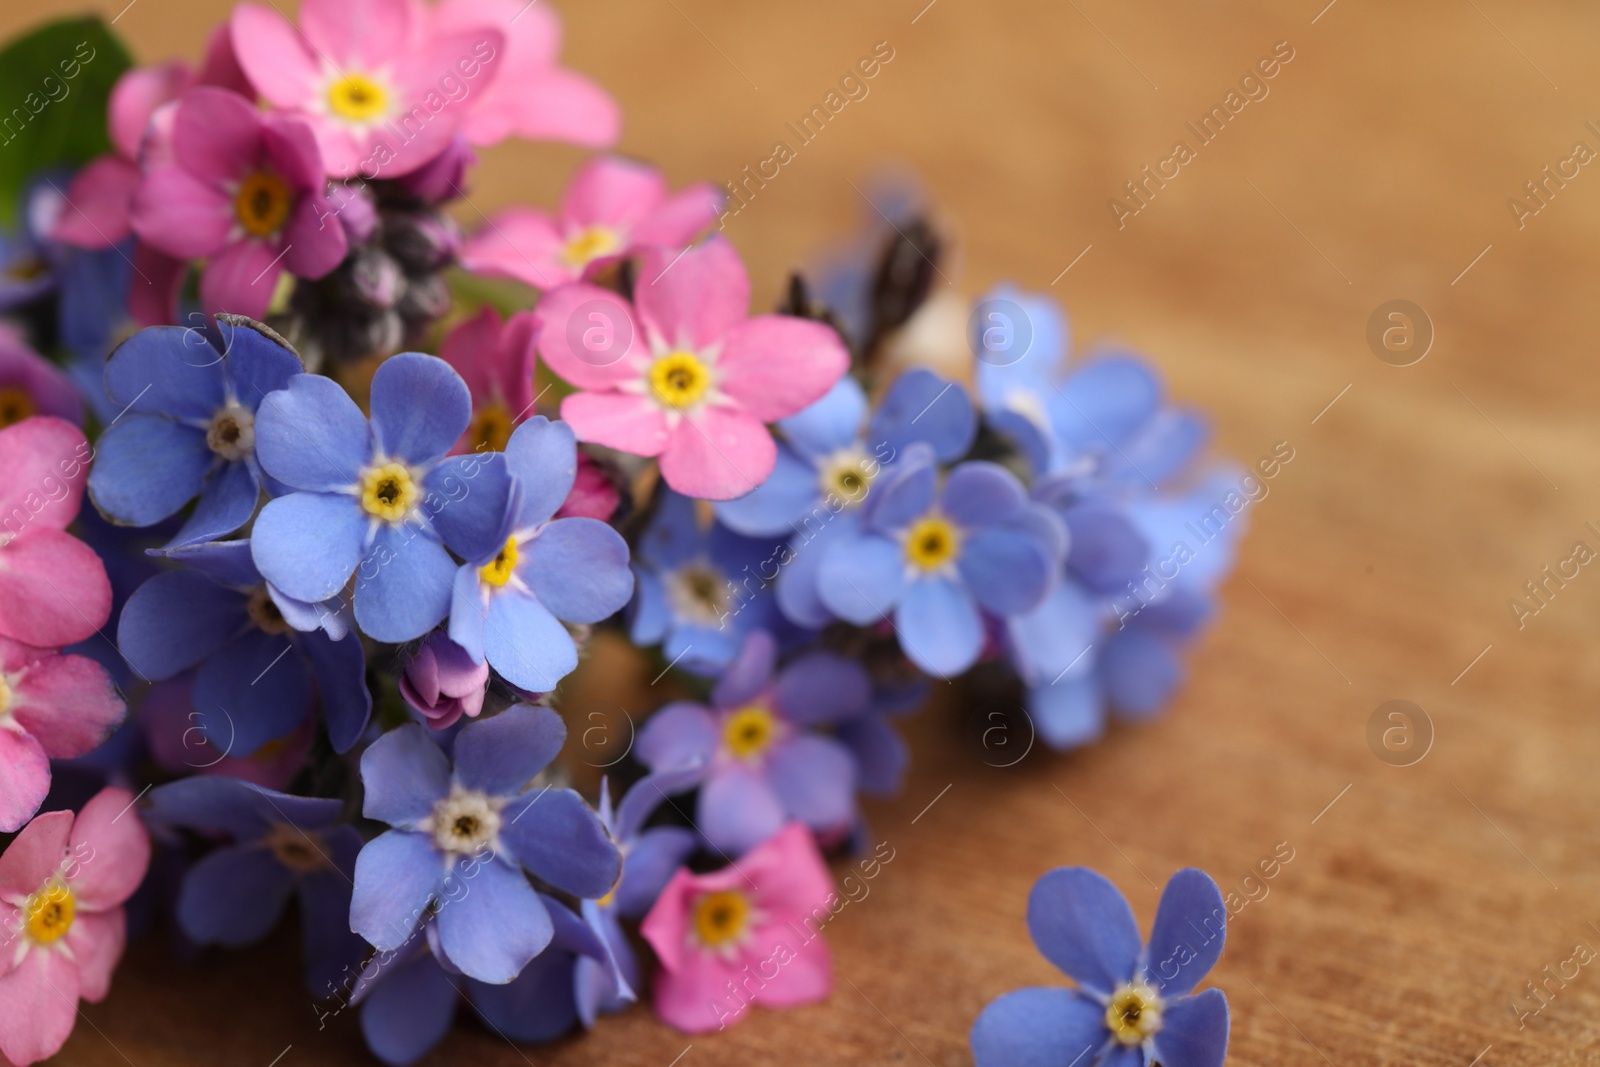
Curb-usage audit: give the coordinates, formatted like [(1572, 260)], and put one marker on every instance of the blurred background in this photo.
[(1427, 893)]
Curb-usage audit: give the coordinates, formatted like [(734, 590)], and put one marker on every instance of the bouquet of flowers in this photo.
[(365, 489)]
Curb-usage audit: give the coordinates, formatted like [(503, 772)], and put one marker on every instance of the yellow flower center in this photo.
[(1133, 1013), (588, 245), (491, 428), (232, 433), (358, 98), (262, 204), (679, 379), (50, 913), (932, 542), (847, 474), (296, 849), (264, 612), (388, 491), (15, 405), (749, 731), (497, 571), (720, 918), (26, 269)]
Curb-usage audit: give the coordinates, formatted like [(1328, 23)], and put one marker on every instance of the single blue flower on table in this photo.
[(280, 846), (759, 758), (462, 838), (222, 615), (934, 559), (408, 999), (827, 461), (509, 608), (698, 589), (188, 426), (1134, 1005), (376, 500)]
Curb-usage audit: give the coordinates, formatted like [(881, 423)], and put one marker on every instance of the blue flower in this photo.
[(829, 457), (92, 315), (699, 589), (1134, 1005), (280, 846), (188, 427), (510, 606), (375, 500), (462, 838), (223, 616), (933, 559)]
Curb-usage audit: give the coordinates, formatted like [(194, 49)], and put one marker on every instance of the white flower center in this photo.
[(466, 821)]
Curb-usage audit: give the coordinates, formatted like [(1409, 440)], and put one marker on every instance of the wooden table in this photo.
[(1421, 899)]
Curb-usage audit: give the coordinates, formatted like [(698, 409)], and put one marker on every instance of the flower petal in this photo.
[(234, 896), (68, 704), (738, 810), (1186, 941), (822, 688), (1038, 1027), (1069, 713), (558, 837), (830, 423), (774, 365), (543, 457), (525, 643), (717, 454), (815, 779), (308, 544), (680, 735), (1194, 1031), (53, 589), (627, 423), (46, 465), (26, 782), (38, 1007), (97, 940), (519, 243), (748, 674), (1082, 924), (397, 874), (420, 406), (578, 568), (409, 1011), (147, 468), (112, 848), (495, 925), (340, 669), (703, 295), (862, 577), (469, 498), (404, 774), (35, 854), (589, 336), (275, 56), (939, 627), (403, 585), (250, 692), (310, 435), (922, 406), (180, 214), (500, 755), (781, 503), (1007, 570)]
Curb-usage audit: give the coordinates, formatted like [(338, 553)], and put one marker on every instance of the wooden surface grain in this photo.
[(1420, 900)]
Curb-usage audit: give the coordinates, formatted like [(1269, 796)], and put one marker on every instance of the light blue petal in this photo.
[(254, 363), (747, 675), (468, 611), (862, 577), (1068, 714), (420, 406), (651, 861), (175, 620), (904, 491), (558, 837), (680, 735), (403, 585), (310, 435), (1186, 941), (880, 753), (778, 504), (308, 544), (228, 501), (674, 534), (1194, 1031), (1039, 1027), (797, 594), (1105, 401), (404, 774), (578, 568), (822, 688), (980, 494), (409, 1011), (470, 500), (1055, 635), (500, 755), (939, 627), (169, 370), (738, 810), (147, 467), (1007, 570), (815, 779), (492, 923), (648, 615), (543, 457), (832, 423), (525, 643), (1082, 924), (1140, 672), (1107, 550), (922, 406), (397, 874)]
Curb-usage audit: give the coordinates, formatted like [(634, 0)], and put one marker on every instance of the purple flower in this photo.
[(827, 462), (1134, 1005), (222, 616), (280, 846), (31, 384), (510, 602), (759, 758), (376, 500), (462, 838), (934, 559), (442, 683), (188, 426)]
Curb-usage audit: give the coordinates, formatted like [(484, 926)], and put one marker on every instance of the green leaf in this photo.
[(54, 84)]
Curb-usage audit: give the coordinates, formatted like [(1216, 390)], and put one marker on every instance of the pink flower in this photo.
[(51, 707), (62, 885), (684, 375), (383, 92), (747, 934), (443, 683), (31, 384), (495, 359), (530, 97), (246, 190), (613, 208), (53, 588), (592, 496)]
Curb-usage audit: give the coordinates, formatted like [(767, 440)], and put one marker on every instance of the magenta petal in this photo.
[(804, 979), (97, 940), (153, 290), (471, 348), (696, 300), (216, 134), (612, 192), (774, 365), (690, 998), (99, 202), (291, 150), (35, 854), (135, 98), (519, 243), (180, 214), (24, 780), (53, 589), (617, 420), (241, 279), (316, 242), (357, 33), (683, 217), (716, 454), (274, 55), (68, 703), (111, 848), (45, 461), (38, 1006)]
